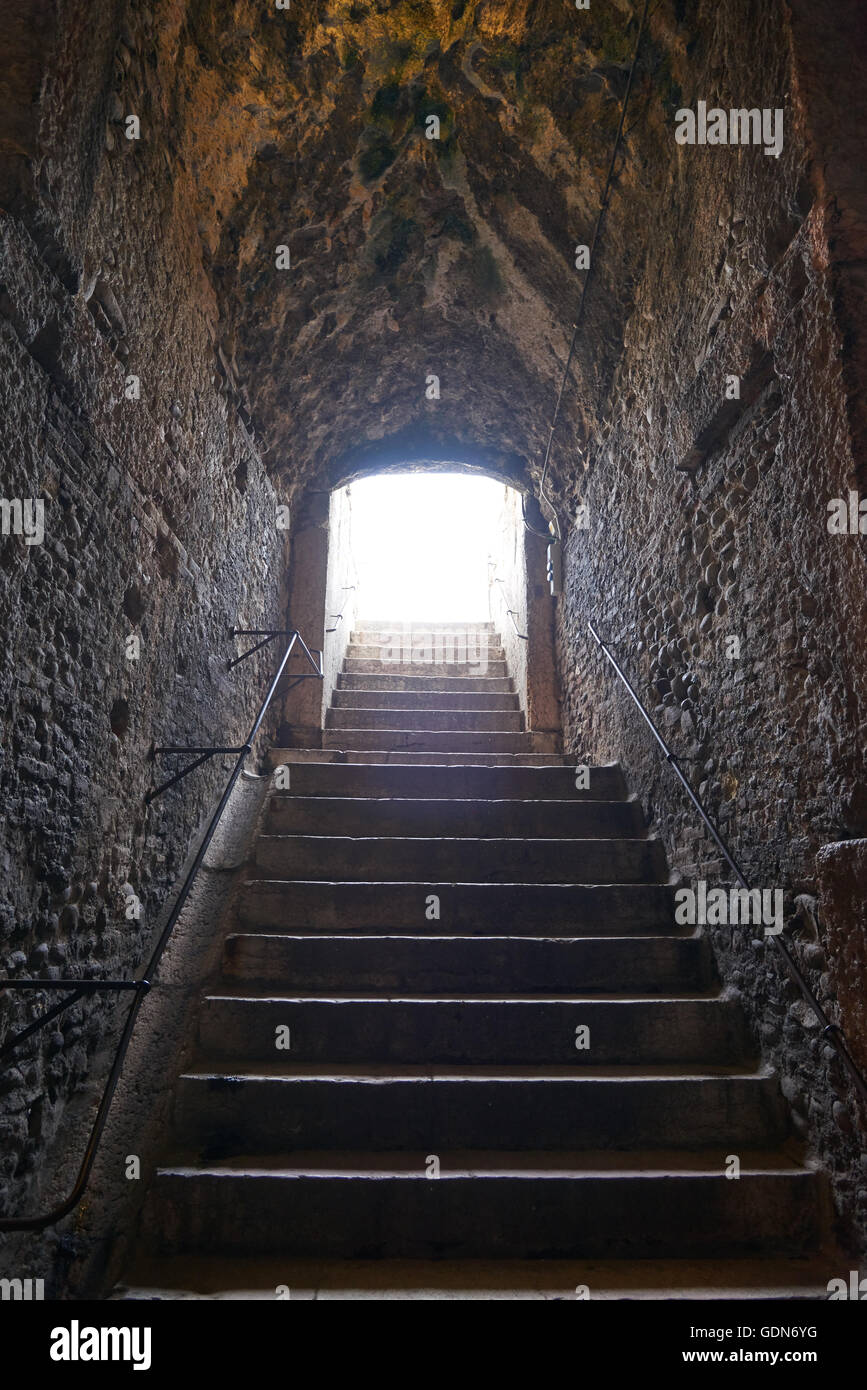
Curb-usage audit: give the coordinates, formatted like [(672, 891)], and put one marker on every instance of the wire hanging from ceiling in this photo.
[(603, 206)]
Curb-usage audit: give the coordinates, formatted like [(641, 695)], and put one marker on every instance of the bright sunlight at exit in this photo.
[(426, 545)]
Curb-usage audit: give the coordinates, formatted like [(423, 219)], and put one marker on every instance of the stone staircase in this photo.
[(500, 1047), (438, 696)]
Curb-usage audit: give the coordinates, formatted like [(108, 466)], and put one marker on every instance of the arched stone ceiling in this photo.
[(410, 256)]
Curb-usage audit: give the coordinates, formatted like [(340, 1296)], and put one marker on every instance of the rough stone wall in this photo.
[(341, 595), (518, 581), (300, 719), (707, 523), (508, 589), (159, 525)]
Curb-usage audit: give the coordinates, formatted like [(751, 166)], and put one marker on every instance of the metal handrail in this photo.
[(831, 1031), (347, 588), (141, 985), (512, 612)]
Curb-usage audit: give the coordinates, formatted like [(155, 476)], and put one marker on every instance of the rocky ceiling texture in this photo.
[(307, 127)]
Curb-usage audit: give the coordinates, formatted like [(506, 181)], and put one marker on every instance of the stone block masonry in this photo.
[(159, 537)]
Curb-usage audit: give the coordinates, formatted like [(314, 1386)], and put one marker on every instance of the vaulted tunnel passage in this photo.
[(251, 256)]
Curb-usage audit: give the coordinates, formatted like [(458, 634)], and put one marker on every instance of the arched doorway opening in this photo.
[(420, 550)]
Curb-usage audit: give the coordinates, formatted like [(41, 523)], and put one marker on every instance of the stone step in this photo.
[(430, 670), (436, 652), (458, 721), (488, 908), (433, 964), (472, 659), (429, 759), (383, 816), (454, 638), (443, 1280), (437, 741), (368, 699), (415, 683), (221, 1116), (377, 625), (485, 1029), (554, 782), (397, 859), (485, 1204)]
